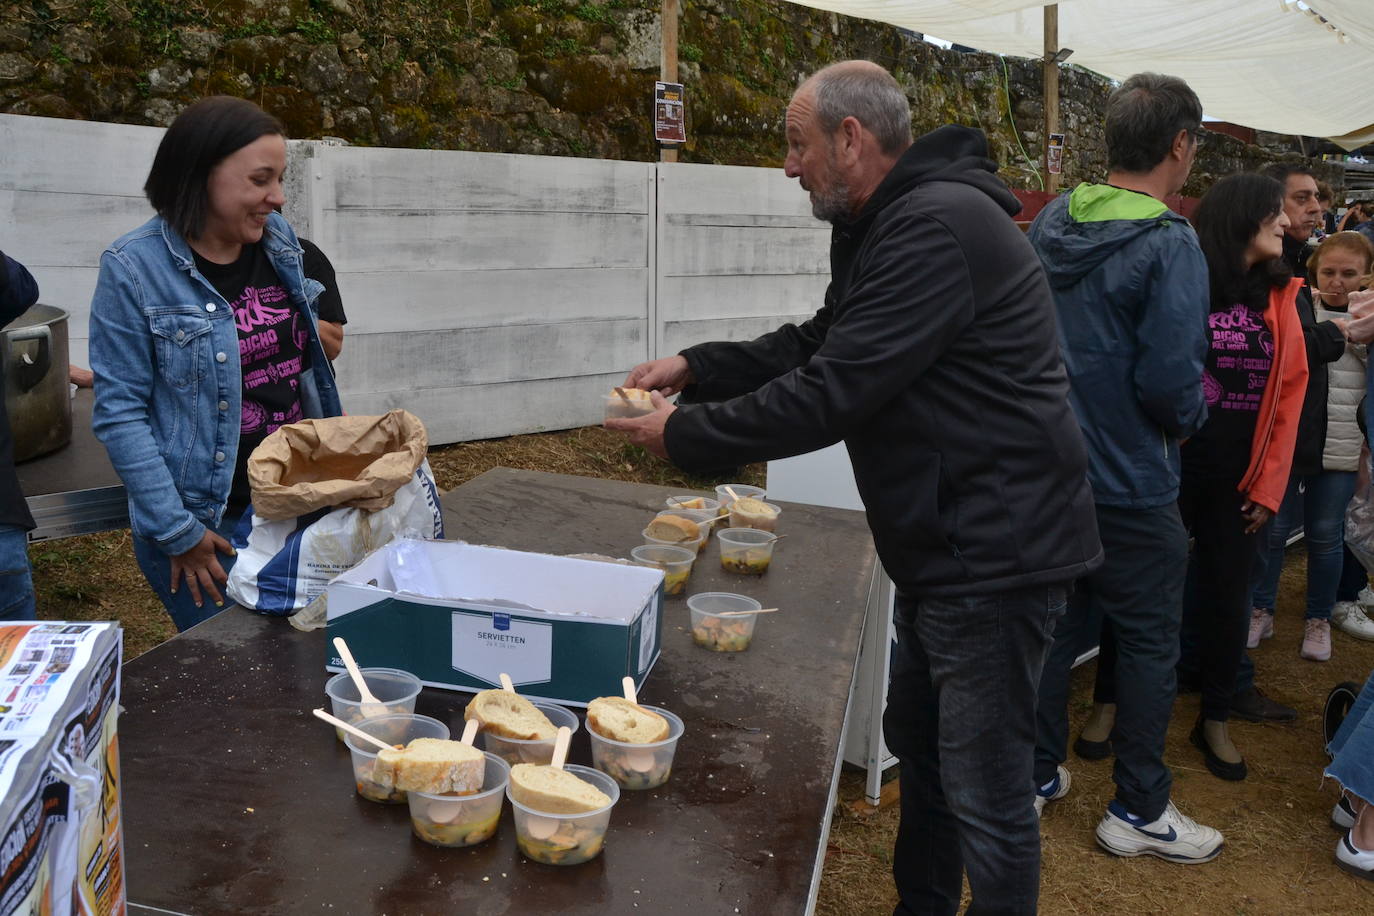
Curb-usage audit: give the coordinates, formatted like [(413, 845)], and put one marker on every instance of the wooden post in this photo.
[(1051, 70), (667, 64)]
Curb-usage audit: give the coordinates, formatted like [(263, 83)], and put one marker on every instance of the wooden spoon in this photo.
[(560, 747), (356, 732), (371, 706)]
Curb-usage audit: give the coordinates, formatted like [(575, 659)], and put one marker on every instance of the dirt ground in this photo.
[(1278, 856)]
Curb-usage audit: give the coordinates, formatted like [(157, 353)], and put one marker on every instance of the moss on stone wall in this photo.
[(549, 77)]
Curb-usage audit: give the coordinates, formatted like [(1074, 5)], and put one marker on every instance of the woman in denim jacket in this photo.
[(203, 340)]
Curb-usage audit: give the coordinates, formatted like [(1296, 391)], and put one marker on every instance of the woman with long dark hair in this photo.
[(1235, 470), (203, 340)]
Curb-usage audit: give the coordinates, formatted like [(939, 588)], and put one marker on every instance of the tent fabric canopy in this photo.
[(1266, 64)]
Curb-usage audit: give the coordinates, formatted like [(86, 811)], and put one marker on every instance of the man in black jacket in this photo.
[(18, 291), (935, 359)]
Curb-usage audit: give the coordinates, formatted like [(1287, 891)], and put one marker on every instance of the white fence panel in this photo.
[(739, 254)]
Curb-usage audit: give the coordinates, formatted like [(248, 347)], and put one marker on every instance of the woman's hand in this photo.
[(1255, 515), (199, 568)]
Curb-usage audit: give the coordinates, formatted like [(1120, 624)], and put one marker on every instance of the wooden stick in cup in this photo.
[(767, 610), (730, 492), (623, 396), (712, 520), (506, 684), (560, 747), (469, 732), (627, 685), (354, 731), (371, 706)]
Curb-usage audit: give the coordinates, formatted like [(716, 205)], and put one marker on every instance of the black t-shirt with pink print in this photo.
[(1240, 355), (273, 336)]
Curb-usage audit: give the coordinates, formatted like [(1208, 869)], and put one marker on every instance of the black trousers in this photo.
[(1216, 597)]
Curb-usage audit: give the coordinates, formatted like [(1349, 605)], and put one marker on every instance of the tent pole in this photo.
[(1051, 71), (667, 60)]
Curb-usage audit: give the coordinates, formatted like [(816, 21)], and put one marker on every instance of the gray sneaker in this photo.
[(1172, 837)]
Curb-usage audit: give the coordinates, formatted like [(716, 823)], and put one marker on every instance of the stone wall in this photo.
[(544, 77)]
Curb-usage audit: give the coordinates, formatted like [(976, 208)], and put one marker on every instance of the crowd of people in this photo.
[(1039, 425), (1129, 480)]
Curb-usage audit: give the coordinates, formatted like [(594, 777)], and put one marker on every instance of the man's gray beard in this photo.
[(834, 203)]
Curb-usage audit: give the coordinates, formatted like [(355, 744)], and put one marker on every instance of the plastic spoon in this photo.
[(371, 706)]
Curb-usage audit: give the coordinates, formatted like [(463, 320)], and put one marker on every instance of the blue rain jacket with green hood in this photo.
[(1130, 289)]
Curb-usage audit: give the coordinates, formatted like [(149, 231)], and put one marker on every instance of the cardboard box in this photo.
[(61, 837), (457, 615)]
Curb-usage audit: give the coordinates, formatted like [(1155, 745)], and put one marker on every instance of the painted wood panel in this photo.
[(448, 180), (679, 335), (480, 356), (411, 240), (436, 299), (67, 230), (75, 157), (459, 414), (687, 188), (711, 297)]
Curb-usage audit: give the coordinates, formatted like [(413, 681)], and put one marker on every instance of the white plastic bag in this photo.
[(283, 565)]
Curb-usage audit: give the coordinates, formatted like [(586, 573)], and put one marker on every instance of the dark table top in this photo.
[(236, 800)]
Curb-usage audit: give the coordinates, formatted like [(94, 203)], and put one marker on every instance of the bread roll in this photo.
[(434, 765), (633, 394), (620, 720), (673, 528), (509, 715), (554, 791)]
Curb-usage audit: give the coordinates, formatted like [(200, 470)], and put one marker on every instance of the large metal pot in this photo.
[(33, 355)]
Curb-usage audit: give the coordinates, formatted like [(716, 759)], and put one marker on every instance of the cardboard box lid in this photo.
[(457, 573)]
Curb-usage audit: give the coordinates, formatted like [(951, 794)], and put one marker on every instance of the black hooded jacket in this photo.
[(1325, 344), (935, 358)]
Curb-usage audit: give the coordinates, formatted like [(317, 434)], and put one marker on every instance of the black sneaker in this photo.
[(1253, 706), (1092, 750)]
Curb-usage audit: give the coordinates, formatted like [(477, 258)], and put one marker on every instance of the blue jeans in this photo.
[(157, 569), (961, 720), (16, 578), (1352, 747), (1321, 505), (1139, 592)]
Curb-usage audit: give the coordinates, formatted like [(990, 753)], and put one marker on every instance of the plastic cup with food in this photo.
[(742, 490), (393, 688), (750, 512), (747, 551), (694, 545), (637, 766), (565, 839), (676, 563), (530, 750), (401, 728), (693, 503), (461, 820), (635, 403), (722, 634)]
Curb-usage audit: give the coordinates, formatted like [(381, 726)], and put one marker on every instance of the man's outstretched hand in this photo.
[(668, 376), (648, 429)]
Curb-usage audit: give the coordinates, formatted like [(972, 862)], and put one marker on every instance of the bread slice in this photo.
[(673, 528), (633, 394), (620, 720), (554, 791), (509, 715), (434, 765), (696, 502)]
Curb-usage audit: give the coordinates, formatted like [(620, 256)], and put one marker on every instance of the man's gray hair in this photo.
[(867, 93), (1144, 115)]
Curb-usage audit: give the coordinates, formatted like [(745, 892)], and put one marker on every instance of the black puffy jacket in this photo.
[(935, 359)]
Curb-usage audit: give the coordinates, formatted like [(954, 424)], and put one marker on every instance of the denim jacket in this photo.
[(168, 388)]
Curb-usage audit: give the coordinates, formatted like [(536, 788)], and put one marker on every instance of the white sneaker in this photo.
[(1350, 618), (1261, 626), (1343, 815), (1366, 596), (1053, 790), (1316, 640), (1173, 837), (1357, 861)]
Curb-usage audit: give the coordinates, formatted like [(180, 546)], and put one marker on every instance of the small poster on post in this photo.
[(1056, 154), (670, 122)]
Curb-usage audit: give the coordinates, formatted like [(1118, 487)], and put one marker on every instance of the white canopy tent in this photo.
[(1272, 65)]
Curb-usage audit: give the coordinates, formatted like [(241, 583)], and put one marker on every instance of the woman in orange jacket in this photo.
[(1235, 470)]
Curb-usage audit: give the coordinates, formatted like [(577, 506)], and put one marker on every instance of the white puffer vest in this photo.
[(1345, 389)]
